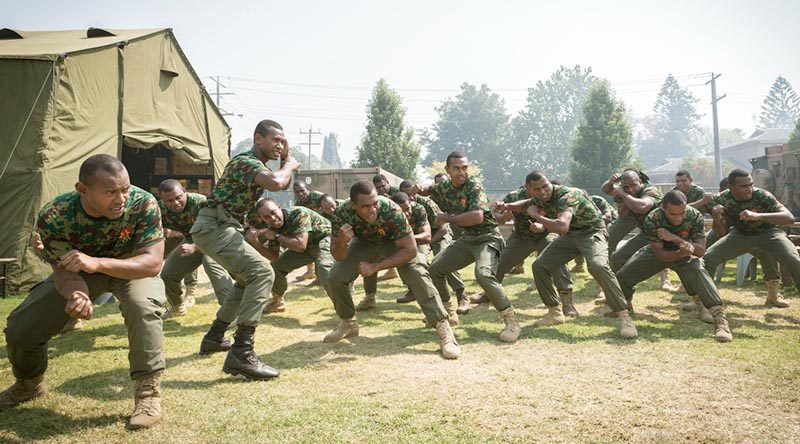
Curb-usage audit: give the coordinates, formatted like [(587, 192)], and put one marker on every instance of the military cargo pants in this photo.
[(618, 230), (413, 273), (768, 265), (454, 278), (628, 249), (592, 245), (518, 249), (319, 253), (690, 270), (220, 237), (171, 244), (177, 267), (41, 316), (773, 242), (484, 250)]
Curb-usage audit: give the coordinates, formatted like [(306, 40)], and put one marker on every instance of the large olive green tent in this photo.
[(70, 94)]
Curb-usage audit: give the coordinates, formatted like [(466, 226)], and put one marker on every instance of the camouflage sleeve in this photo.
[(768, 201), (162, 208), (568, 202), (51, 226), (338, 219), (698, 229), (434, 208), (253, 220), (419, 215), (247, 169), (477, 197), (653, 192), (148, 226), (650, 227), (397, 226), (299, 222)]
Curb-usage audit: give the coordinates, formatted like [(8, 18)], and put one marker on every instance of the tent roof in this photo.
[(51, 44)]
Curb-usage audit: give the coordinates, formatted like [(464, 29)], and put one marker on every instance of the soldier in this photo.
[(303, 233), (677, 241), (309, 199), (105, 236), (218, 232), (178, 212), (328, 206), (441, 239), (529, 236), (371, 233), (464, 203), (754, 216), (569, 213), (382, 186), (685, 183)]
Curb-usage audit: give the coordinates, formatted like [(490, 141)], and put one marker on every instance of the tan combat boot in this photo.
[(567, 306), (309, 274), (191, 295), (347, 328), (147, 400), (774, 298), (554, 316), (389, 274), (276, 305), (463, 303), (368, 303), (627, 329), (479, 298), (447, 342), (21, 391), (705, 316), (180, 310), (722, 333), (518, 269), (452, 313), (512, 330), (71, 325), (666, 285), (599, 296)]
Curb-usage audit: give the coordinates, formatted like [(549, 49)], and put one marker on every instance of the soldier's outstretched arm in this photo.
[(278, 180), (146, 263)]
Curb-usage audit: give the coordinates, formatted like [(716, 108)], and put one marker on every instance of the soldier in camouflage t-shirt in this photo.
[(676, 239), (754, 217), (313, 200), (104, 237), (685, 184), (218, 232), (464, 203), (570, 213), (301, 232), (179, 211), (370, 233)]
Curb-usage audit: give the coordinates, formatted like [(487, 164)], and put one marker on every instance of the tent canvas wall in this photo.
[(70, 94)]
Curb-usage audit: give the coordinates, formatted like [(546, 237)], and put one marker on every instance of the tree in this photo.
[(438, 166), (673, 130), (795, 136), (541, 133), (387, 143), (781, 107), (475, 122), (602, 142), (242, 146), (330, 151)]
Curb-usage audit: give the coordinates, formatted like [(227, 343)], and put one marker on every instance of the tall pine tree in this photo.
[(387, 143), (330, 151), (781, 107), (602, 142), (673, 130)]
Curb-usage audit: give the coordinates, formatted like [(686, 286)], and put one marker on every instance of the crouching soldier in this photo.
[(105, 236)]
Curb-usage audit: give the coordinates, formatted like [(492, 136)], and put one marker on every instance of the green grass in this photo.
[(573, 383)]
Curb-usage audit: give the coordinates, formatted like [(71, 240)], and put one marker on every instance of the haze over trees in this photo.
[(781, 106)]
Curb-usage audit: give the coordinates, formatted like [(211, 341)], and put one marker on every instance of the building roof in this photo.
[(52, 44), (671, 165), (765, 137)]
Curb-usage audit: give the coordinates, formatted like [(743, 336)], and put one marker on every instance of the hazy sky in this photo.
[(314, 63)]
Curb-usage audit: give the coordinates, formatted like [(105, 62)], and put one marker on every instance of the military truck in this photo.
[(778, 171)]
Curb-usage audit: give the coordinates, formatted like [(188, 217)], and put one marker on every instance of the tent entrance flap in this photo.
[(149, 167), (189, 152)]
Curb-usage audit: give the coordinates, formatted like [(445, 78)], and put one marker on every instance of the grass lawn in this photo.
[(573, 383)]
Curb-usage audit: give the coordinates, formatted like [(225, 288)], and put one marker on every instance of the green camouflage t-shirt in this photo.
[(649, 191), (418, 217), (184, 220), (236, 190), (762, 202), (585, 214), (431, 209), (691, 229), (604, 206), (469, 197), (64, 225), (695, 194), (296, 220), (522, 222), (312, 201), (391, 224)]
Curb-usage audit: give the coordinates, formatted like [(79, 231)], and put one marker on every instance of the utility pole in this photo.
[(310, 133), (714, 100), (218, 94)]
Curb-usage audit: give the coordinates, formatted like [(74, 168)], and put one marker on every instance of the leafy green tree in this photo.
[(542, 131), (673, 130), (330, 151), (795, 136), (387, 143), (602, 142), (476, 123), (781, 107)]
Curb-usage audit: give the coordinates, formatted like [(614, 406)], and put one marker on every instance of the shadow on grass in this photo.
[(31, 424)]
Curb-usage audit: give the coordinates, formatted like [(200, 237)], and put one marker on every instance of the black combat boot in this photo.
[(242, 359), (214, 341)]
